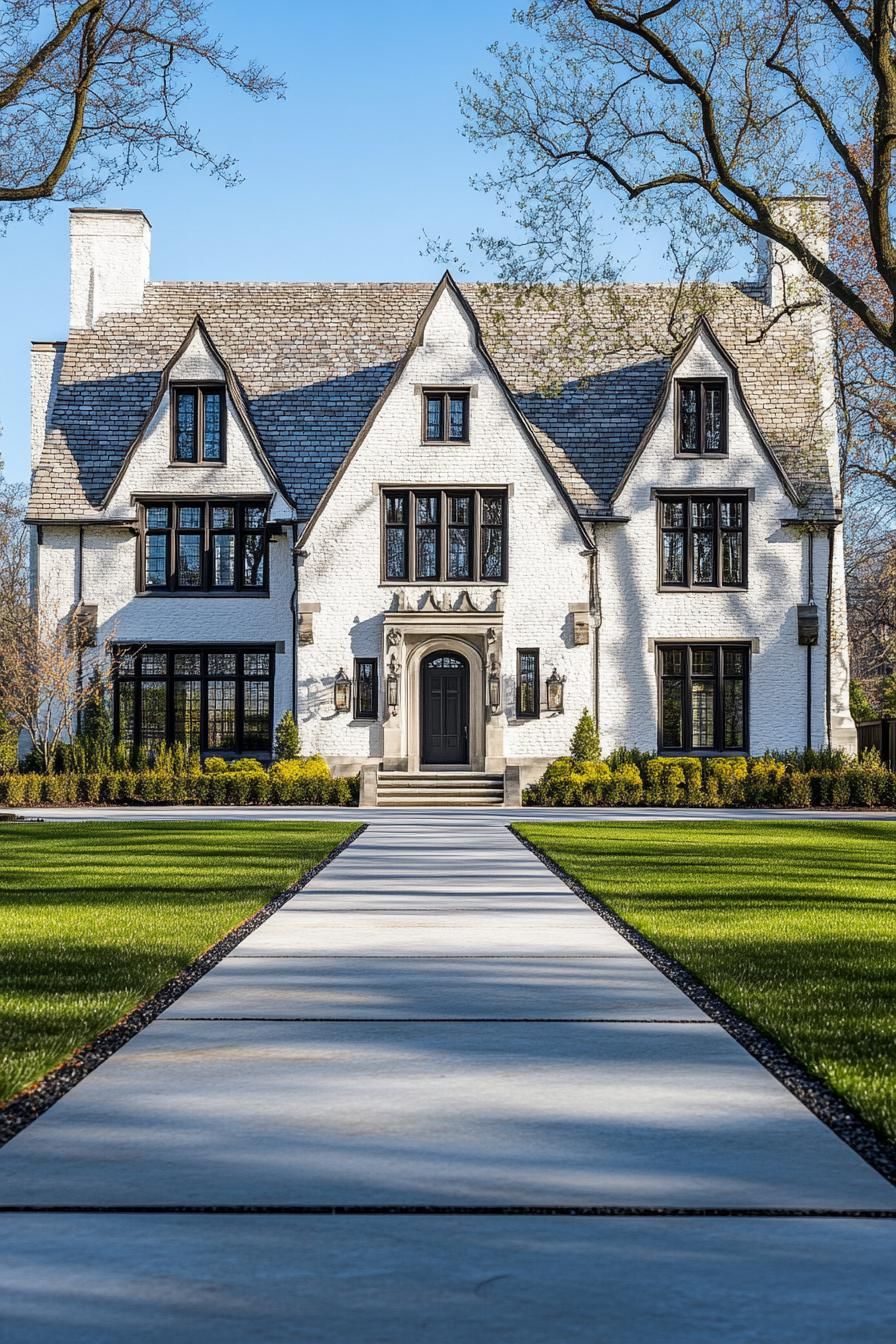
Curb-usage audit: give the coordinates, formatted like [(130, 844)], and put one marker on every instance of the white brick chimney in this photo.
[(785, 280), (109, 263)]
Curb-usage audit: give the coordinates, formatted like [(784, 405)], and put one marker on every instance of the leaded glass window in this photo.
[(215, 546), (702, 427), (198, 431), (366, 696), (444, 534), (703, 541), (446, 417), (527, 684), (703, 697)]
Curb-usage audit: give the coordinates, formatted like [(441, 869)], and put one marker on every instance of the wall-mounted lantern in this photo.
[(494, 687), (554, 688), (392, 686), (342, 693)]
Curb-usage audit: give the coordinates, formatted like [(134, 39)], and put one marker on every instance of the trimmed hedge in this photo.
[(298, 783), (799, 780)]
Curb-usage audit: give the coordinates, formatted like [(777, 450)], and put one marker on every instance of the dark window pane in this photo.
[(492, 552), (222, 516), (458, 417), (493, 509), (703, 714), (434, 417), (672, 703), (189, 516), (460, 509), (153, 726), (253, 559), (187, 710), (157, 515), (187, 664), (673, 557), (528, 683), (221, 714), (733, 706), (673, 513), (427, 553), (703, 549), (256, 715), (396, 564), (673, 662), (735, 662), (395, 509), (185, 434), (702, 513), (458, 553), (154, 664), (256, 664), (731, 512), (254, 515), (127, 664), (212, 435), (689, 417), (126, 712), (189, 560), (222, 664), (703, 662), (157, 560), (224, 549), (712, 410), (427, 509), (365, 690), (732, 558)]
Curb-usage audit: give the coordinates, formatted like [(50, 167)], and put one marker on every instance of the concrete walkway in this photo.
[(438, 1042)]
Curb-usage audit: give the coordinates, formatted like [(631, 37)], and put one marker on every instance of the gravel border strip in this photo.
[(22, 1109), (816, 1095), (460, 1210)]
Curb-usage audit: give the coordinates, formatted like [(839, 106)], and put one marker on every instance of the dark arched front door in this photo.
[(445, 709)]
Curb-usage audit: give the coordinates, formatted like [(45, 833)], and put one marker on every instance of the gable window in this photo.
[(209, 546), (431, 535), (703, 697), (527, 684), (702, 419), (210, 699), (198, 424), (703, 541), (446, 416), (366, 692)]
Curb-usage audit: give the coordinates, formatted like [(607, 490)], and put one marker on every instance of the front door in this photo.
[(445, 709)]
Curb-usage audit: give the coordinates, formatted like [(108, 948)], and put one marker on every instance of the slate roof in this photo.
[(312, 359)]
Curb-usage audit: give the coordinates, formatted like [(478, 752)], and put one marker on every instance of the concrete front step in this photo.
[(439, 789)]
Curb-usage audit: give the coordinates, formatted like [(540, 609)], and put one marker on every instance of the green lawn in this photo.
[(793, 923), (95, 917)]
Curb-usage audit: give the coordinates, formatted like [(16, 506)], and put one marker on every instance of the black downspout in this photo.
[(78, 598), (596, 611), (811, 599), (830, 606), (295, 633)]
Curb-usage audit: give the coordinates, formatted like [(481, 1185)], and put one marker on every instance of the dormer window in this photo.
[(197, 427), (702, 419), (446, 416)]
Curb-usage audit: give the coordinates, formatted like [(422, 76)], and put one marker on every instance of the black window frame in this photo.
[(241, 677), (241, 530), (474, 529), (445, 395), (687, 530), (373, 711), (535, 712), (201, 392), (687, 677), (702, 385)]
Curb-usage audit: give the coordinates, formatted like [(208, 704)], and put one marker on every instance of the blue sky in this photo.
[(342, 178)]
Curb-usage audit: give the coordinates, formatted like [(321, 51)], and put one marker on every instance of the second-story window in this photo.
[(702, 419), (446, 416), (206, 546), (198, 424), (432, 535), (703, 541)]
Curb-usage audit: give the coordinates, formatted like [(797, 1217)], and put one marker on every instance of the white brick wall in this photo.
[(109, 263), (634, 612)]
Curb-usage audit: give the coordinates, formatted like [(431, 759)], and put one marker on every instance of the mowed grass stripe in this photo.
[(793, 923), (96, 917)]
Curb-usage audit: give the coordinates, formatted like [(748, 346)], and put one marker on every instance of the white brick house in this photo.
[(437, 523)]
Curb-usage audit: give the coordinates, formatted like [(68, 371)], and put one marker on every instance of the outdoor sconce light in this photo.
[(494, 687), (392, 687), (554, 687), (342, 693)]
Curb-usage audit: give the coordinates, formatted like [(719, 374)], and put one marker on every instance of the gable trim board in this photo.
[(446, 284), (234, 394), (703, 328)]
